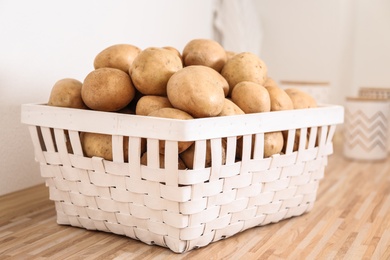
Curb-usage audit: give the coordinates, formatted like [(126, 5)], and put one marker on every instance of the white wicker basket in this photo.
[(180, 209)]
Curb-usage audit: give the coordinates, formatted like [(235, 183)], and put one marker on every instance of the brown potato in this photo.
[(133, 104), (152, 68), (296, 140), (230, 54), (251, 97), (197, 90), (100, 145), (67, 93), (188, 155), (118, 56), (279, 99), (180, 163), (204, 52), (270, 82), (230, 109), (107, 89), (244, 66), (174, 50), (273, 144), (300, 98), (150, 103), (168, 112)]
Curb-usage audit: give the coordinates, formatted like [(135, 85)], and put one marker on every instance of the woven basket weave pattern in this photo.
[(205, 205), (181, 209)]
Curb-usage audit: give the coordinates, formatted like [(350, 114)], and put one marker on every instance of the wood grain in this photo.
[(350, 220)]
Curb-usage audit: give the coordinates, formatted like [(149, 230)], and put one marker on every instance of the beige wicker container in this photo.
[(319, 90), (180, 209), (366, 128), (372, 92)]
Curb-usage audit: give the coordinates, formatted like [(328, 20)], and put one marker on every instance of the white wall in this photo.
[(372, 48), (345, 43), (43, 41)]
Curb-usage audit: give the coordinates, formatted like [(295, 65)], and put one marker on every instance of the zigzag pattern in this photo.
[(359, 114), (366, 132), (378, 126), (366, 146)]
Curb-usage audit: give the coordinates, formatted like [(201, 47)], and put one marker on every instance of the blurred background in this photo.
[(343, 43)]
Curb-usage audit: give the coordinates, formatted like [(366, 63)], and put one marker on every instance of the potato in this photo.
[(180, 163), (244, 66), (174, 113), (269, 82), (230, 54), (100, 145), (204, 52), (230, 109), (152, 68), (188, 155), (107, 89), (174, 50), (127, 110), (149, 103), (197, 90), (118, 56), (300, 98), (251, 97), (296, 140), (133, 104), (279, 99), (273, 144), (66, 93)]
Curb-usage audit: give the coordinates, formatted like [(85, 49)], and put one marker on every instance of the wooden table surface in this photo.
[(350, 220)]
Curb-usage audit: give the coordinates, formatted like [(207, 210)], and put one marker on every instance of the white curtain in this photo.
[(237, 25)]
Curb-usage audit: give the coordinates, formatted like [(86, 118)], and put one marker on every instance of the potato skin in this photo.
[(188, 155), (150, 103), (119, 56), (174, 113), (180, 163), (251, 97), (152, 68), (100, 145), (204, 52), (230, 109), (270, 82), (296, 140), (280, 100), (244, 66), (67, 93), (197, 90), (174, 50), (273, 144), (107, 89), (230, 54), (301, 99)]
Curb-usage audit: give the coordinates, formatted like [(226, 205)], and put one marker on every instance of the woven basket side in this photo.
[(181, 209)]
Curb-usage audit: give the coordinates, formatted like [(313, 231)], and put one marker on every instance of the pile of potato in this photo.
[(203, 80)]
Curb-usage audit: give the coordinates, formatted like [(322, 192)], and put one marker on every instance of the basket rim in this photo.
[(114, 123)]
